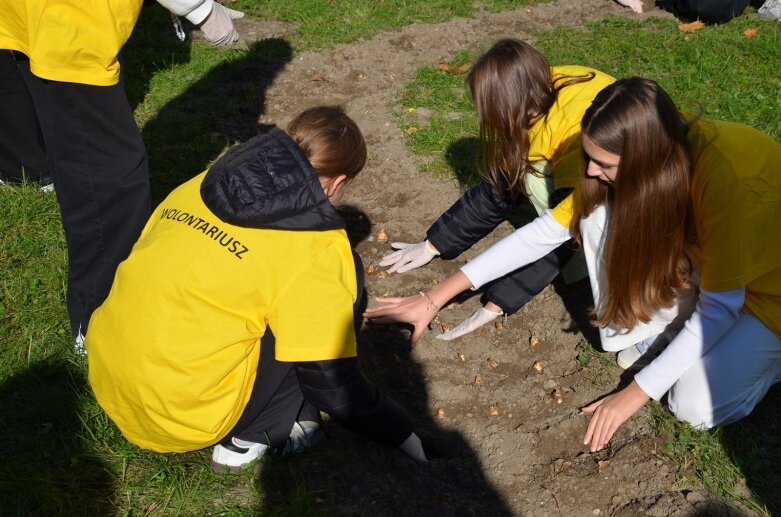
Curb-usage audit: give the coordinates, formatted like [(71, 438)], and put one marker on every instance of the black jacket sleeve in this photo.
[(339, 388), (471, 218)]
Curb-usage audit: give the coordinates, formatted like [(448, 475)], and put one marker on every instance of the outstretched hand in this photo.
[(408, 256), (609, 413), (415, 310), (420, 309), (635, 5)]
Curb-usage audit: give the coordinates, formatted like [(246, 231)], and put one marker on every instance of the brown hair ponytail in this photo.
[(512, 88), (644, 251)]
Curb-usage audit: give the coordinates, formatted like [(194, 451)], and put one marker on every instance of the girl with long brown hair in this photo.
[(679, 219), (529, 115)]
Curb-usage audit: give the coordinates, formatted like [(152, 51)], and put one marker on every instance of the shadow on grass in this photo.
[(349, 475), (218, 110), (461, 155), (46, 467), (754, 444)]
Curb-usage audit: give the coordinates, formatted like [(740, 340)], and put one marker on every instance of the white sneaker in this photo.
[(304, 435), (628, 356), (232, 454), (640, 354), (78, 345)]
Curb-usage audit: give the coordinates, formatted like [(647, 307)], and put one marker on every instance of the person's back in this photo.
[(190, 303), (233, 319)]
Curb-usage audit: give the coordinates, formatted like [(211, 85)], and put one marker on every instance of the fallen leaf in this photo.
[(478, 379), (382, 235), (382, 274), (460, 69), (602, 465), (462, 357), (435, 281), (411, 129), (493, 409), (534, 341), (499, 325), (567, 465), (440, 412), (317, 77), (492, 362), (556, 395), (691, 27), (538, 366), (751, 32), (455, 70), (369, 269)]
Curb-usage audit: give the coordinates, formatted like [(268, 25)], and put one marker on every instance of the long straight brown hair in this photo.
[(650, 223), (512, 88)]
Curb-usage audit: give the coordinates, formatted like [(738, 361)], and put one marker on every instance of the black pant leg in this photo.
[(276, 399), (22, 155), (516, 289), (100, 170)]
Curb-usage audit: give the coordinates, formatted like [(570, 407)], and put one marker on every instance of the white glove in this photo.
[(472, 323), (409, 256), (635, 5), (218, 27)]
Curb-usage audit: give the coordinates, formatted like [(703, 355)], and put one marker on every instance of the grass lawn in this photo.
[(63, 456)]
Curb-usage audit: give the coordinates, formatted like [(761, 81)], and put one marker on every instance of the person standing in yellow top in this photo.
[(65, 55), (529, 115), (233, 320), (679, 220)]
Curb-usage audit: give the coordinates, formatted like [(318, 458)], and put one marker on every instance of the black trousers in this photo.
[(21, 142), (97, 160), (516, 289), (276, 401)]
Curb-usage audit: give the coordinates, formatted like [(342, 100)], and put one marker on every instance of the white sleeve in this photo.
[(716, 312), (195, 11), (525, 245)]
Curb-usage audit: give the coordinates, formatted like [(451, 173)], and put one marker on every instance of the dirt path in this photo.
[(527, 459)]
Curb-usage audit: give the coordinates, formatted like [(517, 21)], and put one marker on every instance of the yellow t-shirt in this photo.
[(736, 202), (556, 137), (73, 41), (173, 351)]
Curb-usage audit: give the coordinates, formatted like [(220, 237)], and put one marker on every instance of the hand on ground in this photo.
[(218, 27), (609, 413), (635, 5), (472, 323), (408, 256), (414, 310)]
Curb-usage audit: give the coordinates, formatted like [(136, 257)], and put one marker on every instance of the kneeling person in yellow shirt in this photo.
[(233, 320)]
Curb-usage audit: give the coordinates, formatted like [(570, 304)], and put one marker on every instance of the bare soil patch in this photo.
[(510, 447)]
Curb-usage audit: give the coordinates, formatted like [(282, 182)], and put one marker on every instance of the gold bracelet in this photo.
[(429, 302)]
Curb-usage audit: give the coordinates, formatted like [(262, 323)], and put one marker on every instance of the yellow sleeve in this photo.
[(564, 211), (312, 319)]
